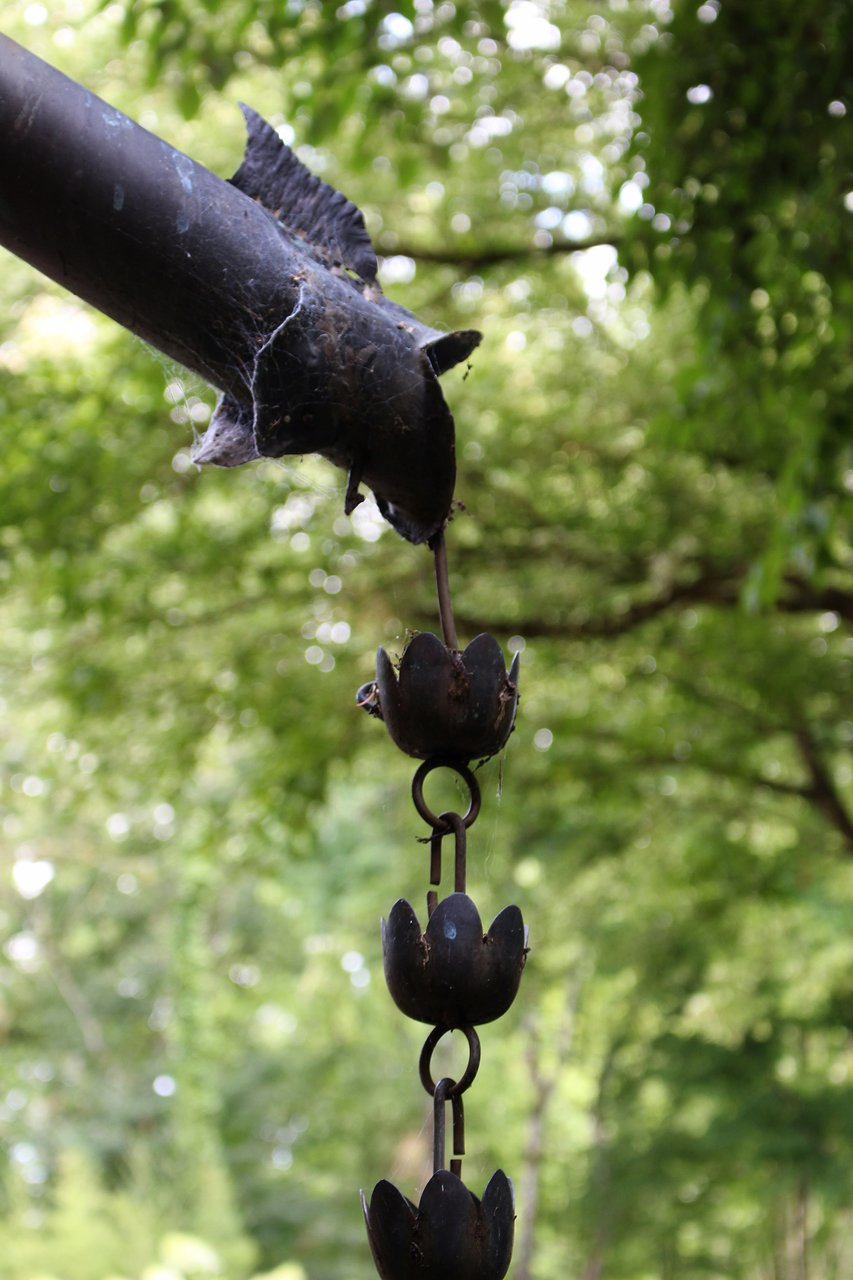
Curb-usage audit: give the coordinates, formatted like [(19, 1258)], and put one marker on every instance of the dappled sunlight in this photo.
[(67, 328), (645, 208)]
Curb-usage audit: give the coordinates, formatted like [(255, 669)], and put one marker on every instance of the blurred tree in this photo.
[(747, 133), (202, 828)]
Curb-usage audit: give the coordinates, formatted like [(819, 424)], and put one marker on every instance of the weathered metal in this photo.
[(449, 1235), (451, 972), (266, 286), (443, 702), (455, 1088), (282, 313), (448, 1091), (443, 823), (447, 823), (456, 977)]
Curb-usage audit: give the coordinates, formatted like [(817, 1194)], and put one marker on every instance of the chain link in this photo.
[(468, 1075), (444, 1094), (456, 823), (462, 771), (443, 824)]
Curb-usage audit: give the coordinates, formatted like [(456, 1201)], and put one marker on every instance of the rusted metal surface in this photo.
[(443, 702), (449, 1235), (455, 1088), (281, 312), (448, 1091), (456, 977), (452, 973), (266, 286), (442, 823)]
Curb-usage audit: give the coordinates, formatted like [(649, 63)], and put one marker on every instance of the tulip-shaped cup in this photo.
[(451, 1235), (453, 974), (446, 703)]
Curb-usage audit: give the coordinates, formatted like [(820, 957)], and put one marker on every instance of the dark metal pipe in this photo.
[(309, 358), (130, 224)]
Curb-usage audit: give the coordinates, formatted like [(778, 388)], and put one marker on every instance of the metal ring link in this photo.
[(436, 821), (468, 1076)]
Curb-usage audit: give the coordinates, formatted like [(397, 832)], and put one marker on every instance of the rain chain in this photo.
[(447, 707), (337, 369)]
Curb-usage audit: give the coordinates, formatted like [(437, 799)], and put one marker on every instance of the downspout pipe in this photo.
[(309, 358)]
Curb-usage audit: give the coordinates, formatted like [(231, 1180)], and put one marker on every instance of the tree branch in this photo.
[(544, 1084), (482, 258), (809, 599), (819, 791), (823, 791), (704, 590), (600, 1168), (800, 791), (800, 597)]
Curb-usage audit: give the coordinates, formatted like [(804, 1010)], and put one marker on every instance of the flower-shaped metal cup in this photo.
[(451, 1235), (452, 974), (447, 703)]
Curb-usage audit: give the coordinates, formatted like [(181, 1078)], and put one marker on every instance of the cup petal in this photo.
[(390, 1218)]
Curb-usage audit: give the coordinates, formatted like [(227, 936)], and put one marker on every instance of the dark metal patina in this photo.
[(443, 702), (452, 973), (265, 286), (454, 976), (450, 1235), (449, 1090), (443, 823)]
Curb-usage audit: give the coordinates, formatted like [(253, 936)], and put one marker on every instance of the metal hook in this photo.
[(444, 1093), (456, 823)]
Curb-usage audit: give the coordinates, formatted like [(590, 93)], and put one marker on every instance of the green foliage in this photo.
[(199, 1058), (90, 1230), (747, 134)]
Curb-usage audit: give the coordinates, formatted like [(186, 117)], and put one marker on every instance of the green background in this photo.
[(649, 213)]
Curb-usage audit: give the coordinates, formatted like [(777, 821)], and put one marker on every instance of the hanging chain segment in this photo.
[(455, 823), (455, 1087), (442, 1095), (447, 707)]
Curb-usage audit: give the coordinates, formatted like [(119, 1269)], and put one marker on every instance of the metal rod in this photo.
[(460, 865), (442, 586), (435, 857), (458, 1125), (439, 1124), (458, 1110)]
